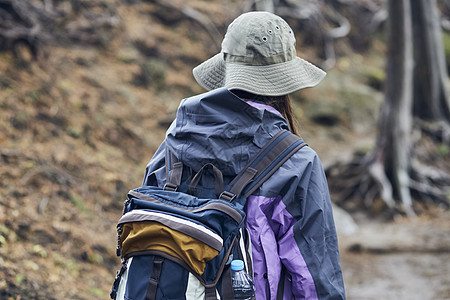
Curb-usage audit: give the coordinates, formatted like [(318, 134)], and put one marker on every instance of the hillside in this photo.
[(78, 126)]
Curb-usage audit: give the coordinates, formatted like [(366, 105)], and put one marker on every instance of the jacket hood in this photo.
[(215, 127)]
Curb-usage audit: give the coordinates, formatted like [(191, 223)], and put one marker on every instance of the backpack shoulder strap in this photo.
[(274, 154)]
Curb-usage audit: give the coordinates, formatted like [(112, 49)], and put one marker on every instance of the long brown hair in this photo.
[(281, 103)]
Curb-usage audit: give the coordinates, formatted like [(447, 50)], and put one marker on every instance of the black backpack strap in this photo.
[(116, 283), (283, 151), (274, 154), (210, 293), (174, 171), (280, 290), (227, 287), (154, 278)]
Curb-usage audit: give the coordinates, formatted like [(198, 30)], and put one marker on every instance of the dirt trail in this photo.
[(404, 259)]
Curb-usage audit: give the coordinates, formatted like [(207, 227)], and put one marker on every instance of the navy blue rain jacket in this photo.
[(289, 218)]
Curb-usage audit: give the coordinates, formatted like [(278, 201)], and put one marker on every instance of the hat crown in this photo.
[(258, 56), (258, 38)]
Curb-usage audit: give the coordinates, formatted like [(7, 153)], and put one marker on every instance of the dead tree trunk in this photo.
[(405, 161), (390, 167), (431, 99), (385, 171)]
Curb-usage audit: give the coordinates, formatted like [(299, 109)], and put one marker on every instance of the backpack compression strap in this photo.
[(274, 154), (173, 176)]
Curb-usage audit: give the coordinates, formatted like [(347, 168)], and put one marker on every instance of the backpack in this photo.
[(174, 245)]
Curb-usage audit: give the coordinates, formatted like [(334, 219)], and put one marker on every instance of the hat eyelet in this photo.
[(264, 38), (269, 31), (277, 27)]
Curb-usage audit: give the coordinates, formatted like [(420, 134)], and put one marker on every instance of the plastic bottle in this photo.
[(243, 288)]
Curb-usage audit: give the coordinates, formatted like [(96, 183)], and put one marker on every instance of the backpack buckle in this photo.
[(170, 187), (228, 196)]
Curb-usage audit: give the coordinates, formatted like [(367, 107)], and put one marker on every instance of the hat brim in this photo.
[(271, 80)]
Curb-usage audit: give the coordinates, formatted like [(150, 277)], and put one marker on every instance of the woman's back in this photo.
[(289, 218)]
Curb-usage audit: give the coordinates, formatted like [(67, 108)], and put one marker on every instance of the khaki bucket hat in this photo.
[(259, 56)]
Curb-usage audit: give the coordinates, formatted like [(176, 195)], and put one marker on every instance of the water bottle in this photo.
[(243, 288)]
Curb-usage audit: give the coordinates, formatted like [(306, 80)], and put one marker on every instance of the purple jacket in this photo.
[(294, 243)]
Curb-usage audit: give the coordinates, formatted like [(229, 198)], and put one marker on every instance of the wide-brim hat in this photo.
[(259, 56)]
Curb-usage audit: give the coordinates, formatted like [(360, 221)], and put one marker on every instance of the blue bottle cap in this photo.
[(237, 265)]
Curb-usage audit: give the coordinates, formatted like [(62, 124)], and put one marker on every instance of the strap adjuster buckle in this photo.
[(228, 196), (170, 187)]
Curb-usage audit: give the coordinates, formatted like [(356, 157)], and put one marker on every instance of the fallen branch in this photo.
[(36, 24), (200, 18), (61, 176)]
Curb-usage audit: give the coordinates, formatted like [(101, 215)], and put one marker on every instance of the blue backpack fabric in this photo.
[(175, 245)]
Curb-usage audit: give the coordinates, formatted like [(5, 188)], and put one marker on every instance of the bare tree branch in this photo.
[(202, 19), (35, 24)]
